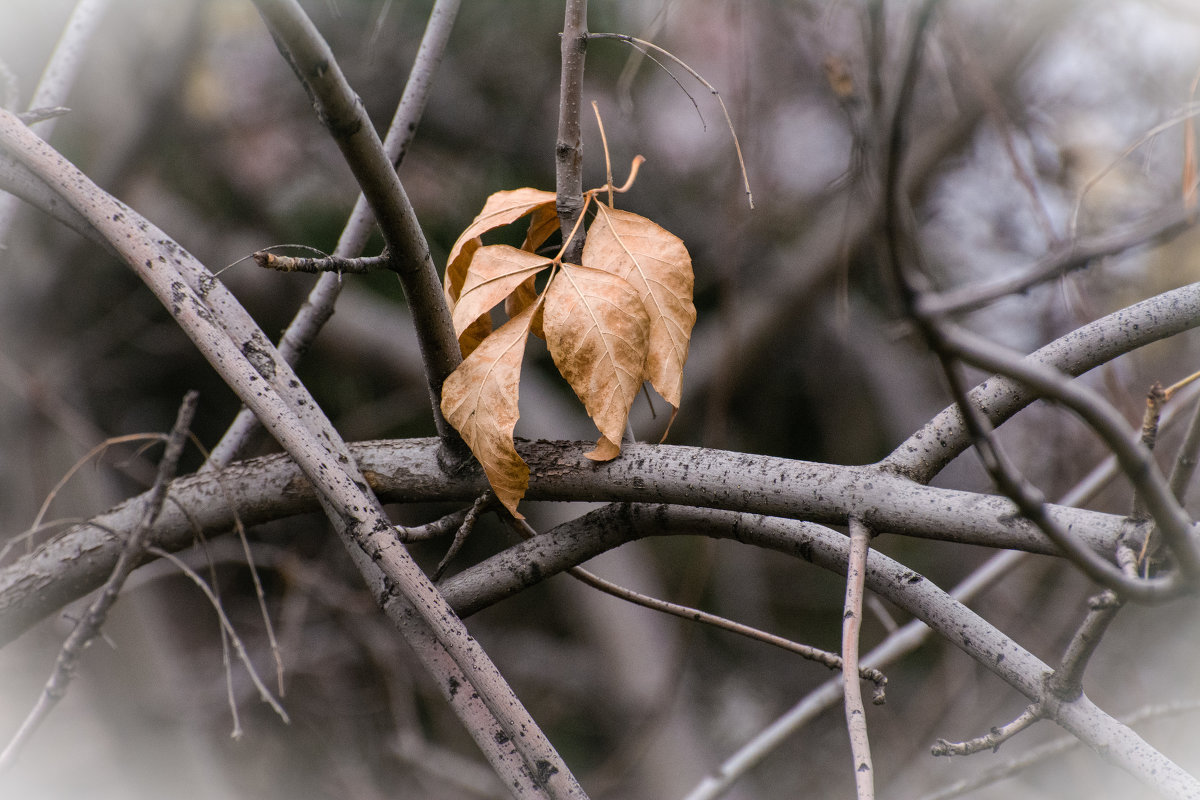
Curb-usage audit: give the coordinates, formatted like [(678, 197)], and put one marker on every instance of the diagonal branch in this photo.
[(318, 308), (231, 341), (342, 113)]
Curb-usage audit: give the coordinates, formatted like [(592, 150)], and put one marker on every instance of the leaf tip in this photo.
[(606, 450)]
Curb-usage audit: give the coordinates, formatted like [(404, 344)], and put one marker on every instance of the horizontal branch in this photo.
[(272, 487)]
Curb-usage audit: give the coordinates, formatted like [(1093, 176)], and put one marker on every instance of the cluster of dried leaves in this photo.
[(621, 318)]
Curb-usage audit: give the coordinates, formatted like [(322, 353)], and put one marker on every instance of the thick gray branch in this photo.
[(407, 471)]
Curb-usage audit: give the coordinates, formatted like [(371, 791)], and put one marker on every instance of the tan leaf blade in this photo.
[(456, 268), (495, 272), (598, 333), (542, 225), (480, 400), (474, 334), (500, 209), (655, 262), (606, 450), (522, 297)]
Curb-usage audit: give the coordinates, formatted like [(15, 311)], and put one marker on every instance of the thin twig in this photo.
[(824, 657), (442, 526), (464, 530), (737, 145), (1186, 459), (856, 715), (88, 626), (992, 739), (1189, 111), (264, 693), (1156, 397), (1156, 228), (86, 458), (336, 264), (1067, 681), (1051, 750)]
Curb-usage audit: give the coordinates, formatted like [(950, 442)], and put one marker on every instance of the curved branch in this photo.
[(1134, 458), (318, 308), (925, 453), (273, 487), (342, 113)]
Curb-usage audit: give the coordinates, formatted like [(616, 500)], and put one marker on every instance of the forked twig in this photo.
[(88, 626)]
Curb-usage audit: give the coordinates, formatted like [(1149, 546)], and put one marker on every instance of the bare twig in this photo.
[(643, 46), (856, 719), (1054, 749), (443, 526), (1188, 111), (1185, 459), (990, 740), (1156, 228), (88, 626), (464, 530), (335, 264), (227, 628), (828, 659), (1067, 681)]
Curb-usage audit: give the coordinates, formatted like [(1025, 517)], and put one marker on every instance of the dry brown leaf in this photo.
[(521, 297), (474, 334), (500, 209), (456, 267), (598, 333), (542, 226), (495, 272), (657, 265), (480, 400)]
